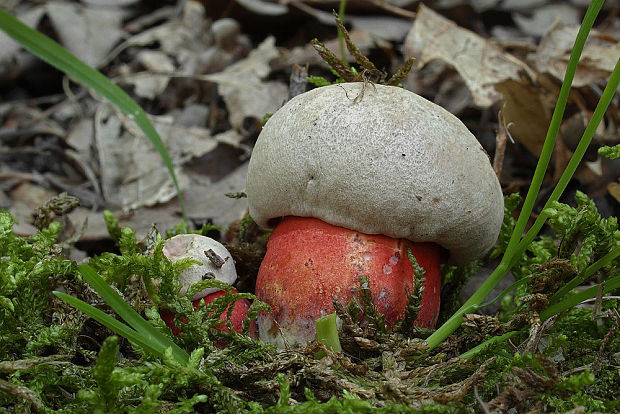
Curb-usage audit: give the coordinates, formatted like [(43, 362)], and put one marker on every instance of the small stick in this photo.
[(297, 81), (500, 147)]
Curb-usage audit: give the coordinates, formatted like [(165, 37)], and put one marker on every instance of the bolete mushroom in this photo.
[(215, 263), (377, 168)]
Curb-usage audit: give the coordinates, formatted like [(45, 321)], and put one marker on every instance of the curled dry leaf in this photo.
[(598, 58), (481, 63), (614, 190), (132, 173), (150, 86), (525, 115), (88, 32), (243, 90)]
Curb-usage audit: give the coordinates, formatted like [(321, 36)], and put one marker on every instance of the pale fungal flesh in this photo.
[(216, 261), (390, 163)]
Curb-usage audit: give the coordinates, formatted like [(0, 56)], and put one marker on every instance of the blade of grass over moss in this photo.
[(57, 56), (554, 126), (498, 274), (577, 298), (130, 316), (479, 348), (593, 268), (111, 323)]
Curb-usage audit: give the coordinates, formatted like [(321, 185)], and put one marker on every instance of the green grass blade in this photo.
[(577, 298), (57, 56), (129, 314), (479, 348), (593, 268), (513, 245), (111, 323), (327, 332), (554, 127), (341, 9), (584, 143)]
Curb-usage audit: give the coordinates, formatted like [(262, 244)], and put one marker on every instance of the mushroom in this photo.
[(378, 169), (242, 306), (216, 263)]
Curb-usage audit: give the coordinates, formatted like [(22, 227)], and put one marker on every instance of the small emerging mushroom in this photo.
[(216, 263), (359, 172)]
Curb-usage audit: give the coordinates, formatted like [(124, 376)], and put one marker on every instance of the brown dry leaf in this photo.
[(208, 201), (524, 113), (614, 190), (25, 199), (480, 62), (598, 58), (243, 90)]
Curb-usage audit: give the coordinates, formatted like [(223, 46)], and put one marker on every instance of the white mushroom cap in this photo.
[(388, 163), (195, 246)]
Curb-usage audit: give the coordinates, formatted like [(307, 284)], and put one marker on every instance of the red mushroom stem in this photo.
[(236, 318), (310, 262)]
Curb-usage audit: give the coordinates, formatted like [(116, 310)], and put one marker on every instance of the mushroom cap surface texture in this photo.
[(195, 246), (383, 162)]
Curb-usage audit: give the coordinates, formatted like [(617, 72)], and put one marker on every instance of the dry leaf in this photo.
[(8, 46), (480, 63), (526, 117), (536, 22), (151, 86), (87, 32), (132, 172), (614, 190), (382, 27), (208, 200), (598, 58), (264, 7), (243, 90)]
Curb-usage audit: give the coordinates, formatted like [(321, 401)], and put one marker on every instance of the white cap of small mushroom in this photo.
[(378, 160), (217, 263)]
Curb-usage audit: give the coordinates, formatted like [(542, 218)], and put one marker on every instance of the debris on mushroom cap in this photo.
[(386, 162), (217, 263)]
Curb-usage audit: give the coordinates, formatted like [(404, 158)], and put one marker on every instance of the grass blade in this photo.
[(513, 245), (593, 268), (493, 340), (57, 56), (327, 332), (130, 316), (597, 116), (111, 323), (577, 298)]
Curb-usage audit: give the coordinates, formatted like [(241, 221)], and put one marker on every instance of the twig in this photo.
[(297, 81), (500, 147), (393, 9)]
